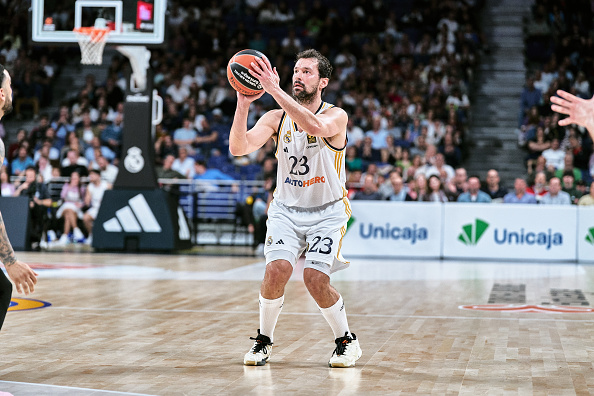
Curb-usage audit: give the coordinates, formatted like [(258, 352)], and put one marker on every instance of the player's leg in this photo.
[(283, 246), (331, 305), (323, 257), (5, 294)]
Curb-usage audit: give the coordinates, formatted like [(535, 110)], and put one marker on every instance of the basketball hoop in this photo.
[(92, 42)]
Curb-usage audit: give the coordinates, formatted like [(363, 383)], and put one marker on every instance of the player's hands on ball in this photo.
[(23, 277), (265, 73)]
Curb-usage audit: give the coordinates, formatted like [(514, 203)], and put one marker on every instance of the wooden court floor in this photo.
[(180, 325)]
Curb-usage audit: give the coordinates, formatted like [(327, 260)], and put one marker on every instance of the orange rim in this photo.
[(95, 33)]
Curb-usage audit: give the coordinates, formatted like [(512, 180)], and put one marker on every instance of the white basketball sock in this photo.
[(336, 318), (269, 312)]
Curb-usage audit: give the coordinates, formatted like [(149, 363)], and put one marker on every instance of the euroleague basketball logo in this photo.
[(134, 162)]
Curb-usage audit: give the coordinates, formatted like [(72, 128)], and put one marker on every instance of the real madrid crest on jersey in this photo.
[(311, 139), (287, 137)]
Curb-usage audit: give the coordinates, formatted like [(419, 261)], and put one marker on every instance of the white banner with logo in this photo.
[(491, 231), (393, 229), (585, 233)]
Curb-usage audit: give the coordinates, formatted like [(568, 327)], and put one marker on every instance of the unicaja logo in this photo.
[(472, 233), (590, 236)]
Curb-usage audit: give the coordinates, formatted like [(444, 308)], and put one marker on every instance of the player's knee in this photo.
[(278, 272), (315, 281)]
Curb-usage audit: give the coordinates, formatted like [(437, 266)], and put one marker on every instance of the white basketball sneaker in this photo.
[(347, 351), (260, 352)]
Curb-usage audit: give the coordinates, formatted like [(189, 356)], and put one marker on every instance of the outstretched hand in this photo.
[(265, 73), (580, 111), (23, 277)]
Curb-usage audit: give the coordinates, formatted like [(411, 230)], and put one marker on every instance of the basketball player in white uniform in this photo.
[(21, 274), (310, 210)]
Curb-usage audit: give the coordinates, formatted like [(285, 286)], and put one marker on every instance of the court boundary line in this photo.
[(75, 388), (206, 311)]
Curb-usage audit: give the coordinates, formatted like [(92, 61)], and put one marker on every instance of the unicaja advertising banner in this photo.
[(393, 229), (585, 233), (510, 232)]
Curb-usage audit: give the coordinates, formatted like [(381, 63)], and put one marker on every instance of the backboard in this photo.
[(131, 22)]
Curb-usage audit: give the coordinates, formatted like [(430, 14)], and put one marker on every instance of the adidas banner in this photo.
[(388, 229), (585, 233), (510, 231)]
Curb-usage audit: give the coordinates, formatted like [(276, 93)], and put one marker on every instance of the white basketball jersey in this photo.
[(310, 171)]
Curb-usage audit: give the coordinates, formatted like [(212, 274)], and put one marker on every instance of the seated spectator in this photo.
[(93, 197), (185, 136), (458, 185), (45, 169), (203, 173), (554, 155), (86, 130), (355, 134), (184, 164), (95, 146), (352, 160), (37, 134), (164, 146), (6, 187), (539, 188), (48, 151), (588, 200), (368, 153), (435, 192), (206, 139), (109, 172), (39, 200), (540, 166), (555, 196), (62, 124), (568, 167), (536, 146), (13, 149), (569, 186), (22, 161), (74, 163), (519, 195), (369, 190), (397, 190), (442, 170), (71, 209), (474, 194), (417, 188), (377, 134), (493, 188), (72, 143), (112, 135), (165, 171), (451, 152)]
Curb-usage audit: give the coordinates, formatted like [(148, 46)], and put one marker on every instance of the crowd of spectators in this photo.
[(402, 71), (559, 42)]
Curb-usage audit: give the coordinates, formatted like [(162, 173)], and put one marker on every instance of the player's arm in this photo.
[(243, 141), (580, 111), (23, 277), (327, 124)]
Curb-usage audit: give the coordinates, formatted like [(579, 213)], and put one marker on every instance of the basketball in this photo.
[(238, 72)]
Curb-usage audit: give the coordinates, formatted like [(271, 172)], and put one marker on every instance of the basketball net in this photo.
[(92, 42)]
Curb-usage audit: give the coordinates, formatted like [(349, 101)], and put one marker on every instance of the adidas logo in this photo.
[(280, 242), (590, 236), (471, 234), (137, 216), (286, 150)]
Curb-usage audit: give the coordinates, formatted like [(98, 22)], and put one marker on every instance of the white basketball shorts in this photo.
[(317, 233)]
